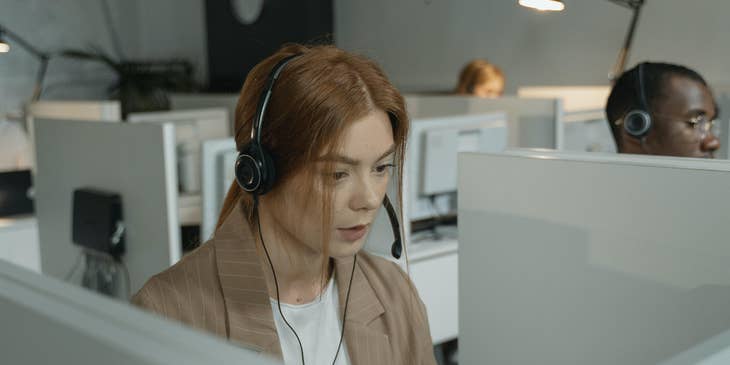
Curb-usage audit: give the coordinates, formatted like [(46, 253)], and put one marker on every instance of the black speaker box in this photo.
[(97, 221)]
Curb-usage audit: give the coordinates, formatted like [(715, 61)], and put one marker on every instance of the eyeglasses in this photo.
[(704, 127), (701, 125)]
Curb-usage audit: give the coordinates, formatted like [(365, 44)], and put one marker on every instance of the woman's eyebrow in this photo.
[(351, 161)]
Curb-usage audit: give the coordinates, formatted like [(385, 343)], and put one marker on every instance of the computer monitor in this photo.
[(136, 161), (46, 321), (431, 157), (590, 258)]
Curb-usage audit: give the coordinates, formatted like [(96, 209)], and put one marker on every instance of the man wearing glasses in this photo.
[(663, 109)]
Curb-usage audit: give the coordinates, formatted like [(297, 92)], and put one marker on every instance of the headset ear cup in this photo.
[(637, 123), (248, 170)]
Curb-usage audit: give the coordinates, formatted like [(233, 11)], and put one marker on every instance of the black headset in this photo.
[(637, 122), (255, 170)]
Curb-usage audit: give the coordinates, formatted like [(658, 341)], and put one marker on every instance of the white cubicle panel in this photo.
[(575, 98), (218, 159), (137, 161), (45, 321), (590, 258), (532, 123), (203, 101)]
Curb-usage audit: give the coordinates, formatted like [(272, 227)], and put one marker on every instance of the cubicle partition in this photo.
[(136, 161), (182, 101), (192, 128), (585, 128), (19, 234), (532, 123), (569, 258), (46, 321), (96, 110), (87, 110), (574, 98)]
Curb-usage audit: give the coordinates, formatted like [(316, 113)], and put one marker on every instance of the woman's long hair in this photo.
[(316, 97)]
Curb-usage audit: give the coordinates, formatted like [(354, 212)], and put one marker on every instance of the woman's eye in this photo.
[(383, 168), (339, 175)]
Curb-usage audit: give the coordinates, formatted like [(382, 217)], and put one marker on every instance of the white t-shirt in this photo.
[(318, 325), (14, 147)]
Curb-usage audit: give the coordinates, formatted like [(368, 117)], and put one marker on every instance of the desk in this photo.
[(19, 242), (434, 270)]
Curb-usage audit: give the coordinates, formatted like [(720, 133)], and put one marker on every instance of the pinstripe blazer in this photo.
[(220, 288)]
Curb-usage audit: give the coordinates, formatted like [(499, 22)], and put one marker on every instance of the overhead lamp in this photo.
[(4, 46), (543, 5)]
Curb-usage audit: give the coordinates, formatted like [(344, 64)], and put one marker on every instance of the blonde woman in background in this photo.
[(481, 78)]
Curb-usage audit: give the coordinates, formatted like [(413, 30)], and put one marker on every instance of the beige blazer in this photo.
[(220, 288)]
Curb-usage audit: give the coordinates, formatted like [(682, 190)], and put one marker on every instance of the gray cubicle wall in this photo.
[(715, 351), (591, 258), (135, 160), (45, 321), (532, 123)]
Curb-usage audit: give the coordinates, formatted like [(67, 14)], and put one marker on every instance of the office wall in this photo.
[(423, 43), (147, 29)]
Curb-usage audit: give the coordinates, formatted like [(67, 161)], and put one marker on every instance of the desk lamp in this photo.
[(634, 5)]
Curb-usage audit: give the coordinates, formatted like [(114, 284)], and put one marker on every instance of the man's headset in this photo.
[(637, 122), (255, 169)]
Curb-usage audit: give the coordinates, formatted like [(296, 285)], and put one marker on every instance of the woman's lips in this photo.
[(352, 234)]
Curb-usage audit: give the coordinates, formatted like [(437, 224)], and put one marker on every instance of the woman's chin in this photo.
[(340, 249)]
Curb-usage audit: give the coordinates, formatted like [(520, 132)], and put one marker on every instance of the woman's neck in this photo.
[(299, 271)]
